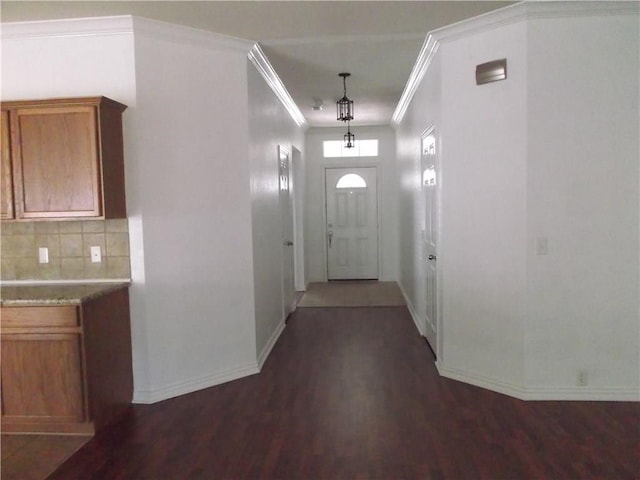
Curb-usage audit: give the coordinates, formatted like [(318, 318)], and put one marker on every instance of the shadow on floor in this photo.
[(34, 457)]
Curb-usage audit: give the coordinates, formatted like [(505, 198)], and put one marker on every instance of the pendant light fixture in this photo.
[(344, 105), (349, 138)]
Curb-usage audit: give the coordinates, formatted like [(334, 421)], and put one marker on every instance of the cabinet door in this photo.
[(55, 162), (42, 378), (6, 187)]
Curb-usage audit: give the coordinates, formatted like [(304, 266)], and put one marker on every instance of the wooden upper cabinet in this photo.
[(67, 158), (56, 162), (6, 187)]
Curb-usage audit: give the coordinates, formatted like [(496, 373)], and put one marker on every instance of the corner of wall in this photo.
[(266, 350), (147, 395)]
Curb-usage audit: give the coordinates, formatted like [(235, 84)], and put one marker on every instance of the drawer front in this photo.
[(58, 316)]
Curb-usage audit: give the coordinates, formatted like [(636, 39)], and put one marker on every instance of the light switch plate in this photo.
[(43, 255), (96, 254)]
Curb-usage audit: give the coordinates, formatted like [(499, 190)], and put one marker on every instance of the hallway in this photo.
[(353, 393), (352, 293)]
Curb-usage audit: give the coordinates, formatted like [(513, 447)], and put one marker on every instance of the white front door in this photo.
[(286, 215), (430, 236), (352, 223)]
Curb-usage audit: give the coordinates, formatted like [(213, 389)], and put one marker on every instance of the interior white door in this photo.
[(352, 223), (430, 192), (286, 215)]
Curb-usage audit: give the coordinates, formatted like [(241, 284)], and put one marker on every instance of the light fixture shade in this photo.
[(345, 109), (349, 139), (344, 106)]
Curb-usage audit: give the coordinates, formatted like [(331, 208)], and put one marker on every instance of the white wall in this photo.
[(483, 239), (582, 298), (315, 246), (552, 152), (424, 111), (193, 195), (63, 65), (299, 220), (187, 182), (270, 125)]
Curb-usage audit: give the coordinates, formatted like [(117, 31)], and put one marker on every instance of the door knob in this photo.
[(330, 235), (288, 243), (432, 257)]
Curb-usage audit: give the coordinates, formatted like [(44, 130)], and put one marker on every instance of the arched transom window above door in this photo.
[(351, 180)]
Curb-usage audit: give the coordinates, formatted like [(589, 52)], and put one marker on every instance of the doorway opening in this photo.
[(351, 196)]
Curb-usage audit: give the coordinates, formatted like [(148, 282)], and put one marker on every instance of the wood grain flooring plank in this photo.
[(353, 393)]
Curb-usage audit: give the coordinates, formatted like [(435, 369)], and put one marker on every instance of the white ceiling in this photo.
[(307, 42)]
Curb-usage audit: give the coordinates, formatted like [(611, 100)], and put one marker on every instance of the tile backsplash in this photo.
[(69, 244)]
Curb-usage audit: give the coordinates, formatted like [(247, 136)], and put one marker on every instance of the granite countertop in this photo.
[(62, 294)]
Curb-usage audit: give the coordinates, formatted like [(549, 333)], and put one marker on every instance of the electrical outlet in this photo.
[(43, 255), (583, 378), (96, 254)]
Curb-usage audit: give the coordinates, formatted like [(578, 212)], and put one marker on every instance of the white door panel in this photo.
[(430, 192), (286, 215), (352, 223)]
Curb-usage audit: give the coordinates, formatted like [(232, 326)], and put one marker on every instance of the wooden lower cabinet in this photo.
[(66, 369), (42, 378)]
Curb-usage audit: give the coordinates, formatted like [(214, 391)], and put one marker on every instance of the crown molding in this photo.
[(264, 67), (188, 35), (121, 25), (504, 16), (556, 9), (70, 27), (425, 56), (533, 10)]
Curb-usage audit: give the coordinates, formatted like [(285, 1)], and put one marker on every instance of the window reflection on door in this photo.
[(428, 159), (286, 215)]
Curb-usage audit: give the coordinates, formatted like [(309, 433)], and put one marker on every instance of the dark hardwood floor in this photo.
[(352, 393)]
